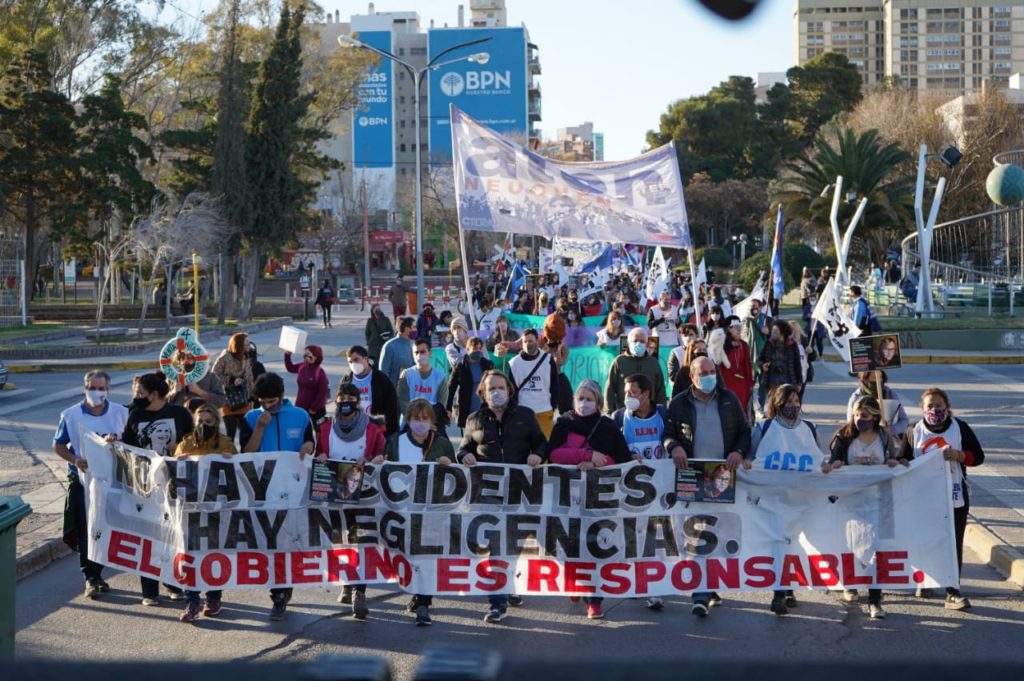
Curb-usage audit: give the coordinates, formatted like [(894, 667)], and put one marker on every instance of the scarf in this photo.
[(350, 430)]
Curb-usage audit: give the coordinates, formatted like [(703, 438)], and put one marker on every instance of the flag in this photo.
[(742, 308), (601, 262), (501, 186), (516, 280), (657, 276), (778, 276), (701, 276), (829, 313)]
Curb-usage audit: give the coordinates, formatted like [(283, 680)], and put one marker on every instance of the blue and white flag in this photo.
[(501, 186), (516, 280), (778, 277), (601, 262)]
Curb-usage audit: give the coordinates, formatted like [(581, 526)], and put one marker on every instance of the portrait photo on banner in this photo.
[(336, 482), (707, 482), (868, 353)]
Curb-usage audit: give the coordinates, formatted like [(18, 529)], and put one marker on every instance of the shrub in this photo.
[(714, 257)]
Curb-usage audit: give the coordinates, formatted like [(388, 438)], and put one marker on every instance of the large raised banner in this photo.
[(504, 187), (246, 521)]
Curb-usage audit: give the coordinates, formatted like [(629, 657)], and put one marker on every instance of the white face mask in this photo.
[(585, 407), (632, 403), (356, 367), (423, 360), (497, 397), (95, 397)]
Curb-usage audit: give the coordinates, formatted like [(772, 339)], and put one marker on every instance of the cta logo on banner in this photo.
[(248, 521), (373, 130)]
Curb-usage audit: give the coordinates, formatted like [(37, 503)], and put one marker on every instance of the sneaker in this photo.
[(151, 602), (515, 601), (850, 595), (412, 605), (594, 611), (212, 608), (495, 615), (700, 610), (924, 593), (778, 605), (175, 595), (359, 609), (423, 616), (790, 599), (101, 584), (92, 590), (190, 613), (875, 611), (954, 601), (655, 603), (345, 597), (278, 610), (714, 600)]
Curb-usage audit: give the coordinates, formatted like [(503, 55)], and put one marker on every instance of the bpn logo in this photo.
[(452, 84)]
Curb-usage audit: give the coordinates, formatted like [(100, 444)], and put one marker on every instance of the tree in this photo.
[(824, 86), (271, 144), (37, 157), (868, 170), (717, 211)]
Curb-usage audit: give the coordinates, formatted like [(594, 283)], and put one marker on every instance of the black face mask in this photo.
[(207, 432), (347, 408), (140, 403)]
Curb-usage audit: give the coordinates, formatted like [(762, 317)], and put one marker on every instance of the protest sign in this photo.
[(868, 353), (246, 522), (706, 481)]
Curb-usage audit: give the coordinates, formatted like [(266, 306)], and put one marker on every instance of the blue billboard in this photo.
[(494, 93), (373, 126)]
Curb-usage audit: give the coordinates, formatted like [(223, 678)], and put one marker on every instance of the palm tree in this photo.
[(867, 168)]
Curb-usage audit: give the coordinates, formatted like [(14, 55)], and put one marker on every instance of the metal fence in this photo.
[(13, 306)]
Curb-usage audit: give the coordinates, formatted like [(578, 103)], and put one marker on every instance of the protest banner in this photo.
[(868, 353), (246, 522)]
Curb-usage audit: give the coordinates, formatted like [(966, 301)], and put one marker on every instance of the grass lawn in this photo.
[(13, 333)]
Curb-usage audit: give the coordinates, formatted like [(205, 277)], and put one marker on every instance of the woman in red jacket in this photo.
[(314, 388), (734, 364), (350, 436)]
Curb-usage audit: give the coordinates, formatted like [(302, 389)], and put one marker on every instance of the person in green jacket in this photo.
[(634, 361), (417, 442)]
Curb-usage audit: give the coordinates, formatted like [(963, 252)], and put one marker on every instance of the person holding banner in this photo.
[(706, 422), (663, 318), (377, 394), (204, 439), (94, 414), (784, 431), (587, 439), (896, 420), (942, 434), (635, 361), (535, 376), (863, 441), (501, 432)]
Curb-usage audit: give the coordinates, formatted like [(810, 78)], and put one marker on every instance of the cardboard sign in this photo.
[(707, 482), (868, 353)]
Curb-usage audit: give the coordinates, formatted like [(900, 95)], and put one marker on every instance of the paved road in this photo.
[(54, 622)]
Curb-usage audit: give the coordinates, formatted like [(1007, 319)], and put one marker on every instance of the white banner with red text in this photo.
[(246, 521)]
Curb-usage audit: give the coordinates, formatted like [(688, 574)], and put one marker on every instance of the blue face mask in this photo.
[(707, 384), (639, 349)]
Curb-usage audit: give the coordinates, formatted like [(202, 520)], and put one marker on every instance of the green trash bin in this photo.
[(12, 510)]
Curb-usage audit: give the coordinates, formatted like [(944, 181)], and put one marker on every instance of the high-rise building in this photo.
[(598, 146), (947, 46), (378, 144)]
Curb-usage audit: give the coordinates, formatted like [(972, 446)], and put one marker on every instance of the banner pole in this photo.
[(465, 280), (881, 401), (698, 322)]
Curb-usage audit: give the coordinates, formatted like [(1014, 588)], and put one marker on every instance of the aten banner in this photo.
[(373, 125), (494, 93), (246, 521)]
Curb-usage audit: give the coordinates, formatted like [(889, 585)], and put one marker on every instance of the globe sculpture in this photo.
[(1005, 185)]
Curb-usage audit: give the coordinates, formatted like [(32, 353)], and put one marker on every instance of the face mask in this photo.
[(95, 397), (707, 384), (140, 403), (790, 412), (497, 397), (356, 367), (529, 348), (476, 356), (347, 408), (864, 425), (934, 417), (461, 336), (276, 408), (502, 326), (638, 349), (776, 336), (632, 403), (616, 323), (206, 432), (423, 360), (585, 407), (572, 317), (419, 428)]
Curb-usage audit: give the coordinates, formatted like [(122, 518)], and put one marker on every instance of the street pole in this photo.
[(366, 247), (196, 301), (420, 286)]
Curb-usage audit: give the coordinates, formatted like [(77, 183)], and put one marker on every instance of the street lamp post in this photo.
[(417, 78)]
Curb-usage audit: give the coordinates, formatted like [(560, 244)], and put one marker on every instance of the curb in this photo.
[(40, 557), (1004, 558), (947, 359)]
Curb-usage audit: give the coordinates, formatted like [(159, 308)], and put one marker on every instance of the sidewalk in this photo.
[(995, 532)]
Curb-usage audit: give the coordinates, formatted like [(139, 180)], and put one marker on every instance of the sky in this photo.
[(618, 64)]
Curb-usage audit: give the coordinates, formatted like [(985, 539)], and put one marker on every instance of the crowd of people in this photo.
[(731, 386)]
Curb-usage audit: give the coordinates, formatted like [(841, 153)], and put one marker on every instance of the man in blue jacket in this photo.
[(277, 426)]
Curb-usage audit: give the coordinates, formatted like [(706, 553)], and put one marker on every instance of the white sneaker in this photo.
[(655, 603)]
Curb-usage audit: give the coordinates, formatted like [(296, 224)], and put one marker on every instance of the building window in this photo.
[(401, 147), (1002, 52), (401, 51), (401, 123), (418, 51), (908, 14), (403, 170)]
